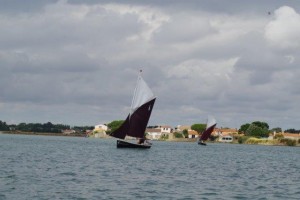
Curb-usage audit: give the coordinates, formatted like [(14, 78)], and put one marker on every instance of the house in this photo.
[(166, 129), (193, 134), (227, 138), (224, 131), (294, 136), (158, 131), (100, 127), (100, 130), (225, 134), (153, 133)]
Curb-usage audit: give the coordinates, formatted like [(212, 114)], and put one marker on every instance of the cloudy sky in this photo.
[(76, 62)]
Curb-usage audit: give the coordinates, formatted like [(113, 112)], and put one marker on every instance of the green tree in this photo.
[(198, 127), (178, 135), (277, 130), (114, 125), (256, 131), (37, 127), (185, 133), (261, 124), (244, 128), (22, 127), (292, 130), (3, 126)]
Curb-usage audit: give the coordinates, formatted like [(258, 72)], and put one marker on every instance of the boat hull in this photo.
[(201, 143), (124, 144)]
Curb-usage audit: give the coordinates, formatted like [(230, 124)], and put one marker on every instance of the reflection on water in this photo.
[(41, 167)]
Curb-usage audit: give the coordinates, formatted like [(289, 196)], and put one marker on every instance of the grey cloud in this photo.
[(77, 61)]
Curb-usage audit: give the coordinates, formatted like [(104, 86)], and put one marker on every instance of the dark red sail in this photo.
[(136, 123), (122, 130), (206, 134), (139, 119)]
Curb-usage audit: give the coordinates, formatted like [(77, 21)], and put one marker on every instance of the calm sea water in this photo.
[(45, 167)]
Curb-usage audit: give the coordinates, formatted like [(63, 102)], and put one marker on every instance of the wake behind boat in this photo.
[(210, 125), (137, 120)]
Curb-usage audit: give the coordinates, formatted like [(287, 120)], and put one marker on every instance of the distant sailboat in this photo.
[(211, 124), (137, 120)]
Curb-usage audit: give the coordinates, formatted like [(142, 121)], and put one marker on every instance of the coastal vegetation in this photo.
[(256, 132), (178, 135), (112, 126), (185, 133), (198, 127), (41, 128), (264, 141), (3, 126), (37, 128), (255, 129)]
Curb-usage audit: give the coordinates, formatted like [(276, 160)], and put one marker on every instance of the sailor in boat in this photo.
[(201, 142), (143, 141)]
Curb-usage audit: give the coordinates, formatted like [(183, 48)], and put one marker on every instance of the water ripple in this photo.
[(39, 167)]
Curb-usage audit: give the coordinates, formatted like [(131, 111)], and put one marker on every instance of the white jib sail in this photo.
[(142, 94), (210, 122)]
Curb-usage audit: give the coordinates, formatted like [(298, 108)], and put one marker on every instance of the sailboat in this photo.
[(210, 125), (137, 120)]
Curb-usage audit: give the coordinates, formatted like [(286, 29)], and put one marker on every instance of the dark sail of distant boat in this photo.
[(211, 124), (137, 120)]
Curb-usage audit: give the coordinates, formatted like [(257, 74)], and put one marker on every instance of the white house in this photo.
[(193, 134), (226, 138), (100, 131), (102, 127), (153, 133), (156, 133), (166, 129)]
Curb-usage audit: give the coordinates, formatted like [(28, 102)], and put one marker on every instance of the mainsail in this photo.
[(211, 124), (141, 108)]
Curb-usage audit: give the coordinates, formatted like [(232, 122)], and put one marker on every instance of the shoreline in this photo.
[(167, 140), (42, 134)]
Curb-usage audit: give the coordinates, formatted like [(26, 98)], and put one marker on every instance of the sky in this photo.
[(76, 62)]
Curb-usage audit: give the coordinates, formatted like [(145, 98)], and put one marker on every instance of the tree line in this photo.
[(261, 129), (42, 127), (256, 128), (34, 127), (292, 131)]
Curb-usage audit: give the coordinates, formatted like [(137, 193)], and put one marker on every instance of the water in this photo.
[(41, 167)]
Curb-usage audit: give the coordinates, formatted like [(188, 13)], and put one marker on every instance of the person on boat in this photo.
[(141, 141)]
